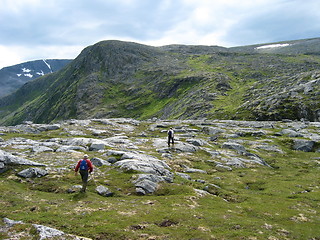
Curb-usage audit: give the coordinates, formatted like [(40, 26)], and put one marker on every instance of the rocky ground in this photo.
[(201, 146)]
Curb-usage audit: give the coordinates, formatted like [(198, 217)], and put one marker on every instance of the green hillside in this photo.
[(123, 79)]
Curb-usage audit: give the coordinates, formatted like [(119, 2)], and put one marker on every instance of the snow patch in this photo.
[(28, 75), (48, 65), (40, 73), (19, 74), (273, 46), (25, 70)]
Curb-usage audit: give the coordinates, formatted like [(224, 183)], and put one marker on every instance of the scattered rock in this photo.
[(213, 189), (112, 160), (196, 142), (167, 223), (104, 191), (10, 222), (44, 232), (47, 232), (74, 188), (194, 170), (223, 168), (184, 175), (250, 132)]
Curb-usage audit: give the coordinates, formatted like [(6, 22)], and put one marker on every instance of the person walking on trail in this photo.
[(170, 137), (85, 167)]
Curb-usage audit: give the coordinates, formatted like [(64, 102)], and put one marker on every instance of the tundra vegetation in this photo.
[(222, 179)]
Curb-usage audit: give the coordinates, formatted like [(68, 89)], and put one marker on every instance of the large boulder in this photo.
[(196, 142), (48, 127), (212, 130), (38, 149), (146, 186), (148, 183), (71, 149), (32, 173), (99, 162), (154, 167), (104, 191), (290, 133), (134, 161), (234, 146), (194, 170), (303, 145)]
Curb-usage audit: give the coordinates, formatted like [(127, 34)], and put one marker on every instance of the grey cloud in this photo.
[(68, 22), (63, 23), (288, 22)]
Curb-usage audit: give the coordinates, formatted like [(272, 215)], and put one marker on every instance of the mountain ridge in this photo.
[(125, 79), (13, 77)]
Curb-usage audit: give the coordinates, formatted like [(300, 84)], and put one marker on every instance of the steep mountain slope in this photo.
[(124, 79), (13, 77)]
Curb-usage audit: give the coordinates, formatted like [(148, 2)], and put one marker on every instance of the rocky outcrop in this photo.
[(286, 99), (7, 159)]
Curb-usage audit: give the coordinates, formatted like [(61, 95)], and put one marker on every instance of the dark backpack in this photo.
[(170, 133), (84, 165)]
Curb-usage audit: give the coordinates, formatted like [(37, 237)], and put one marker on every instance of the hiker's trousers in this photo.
[(84, 175)]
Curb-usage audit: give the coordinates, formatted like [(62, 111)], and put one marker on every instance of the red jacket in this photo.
[(88, 163)]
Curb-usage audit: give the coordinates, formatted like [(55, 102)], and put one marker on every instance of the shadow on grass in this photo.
[(79, 196)]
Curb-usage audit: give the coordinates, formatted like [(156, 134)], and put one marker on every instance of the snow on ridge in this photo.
[(273, 46), (40, 73), (48, 65), (25, 70), (28, 75), (19, 74)]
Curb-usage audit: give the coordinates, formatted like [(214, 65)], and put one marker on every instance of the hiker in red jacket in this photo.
[(85, 167)]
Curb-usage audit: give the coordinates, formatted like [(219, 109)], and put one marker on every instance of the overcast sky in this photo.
[(38, 29)]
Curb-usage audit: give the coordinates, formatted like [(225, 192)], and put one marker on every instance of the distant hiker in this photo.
[(170, 137), (85, 167)]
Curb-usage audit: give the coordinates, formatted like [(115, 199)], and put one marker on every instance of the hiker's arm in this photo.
[(90, 166), (77, 167)]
